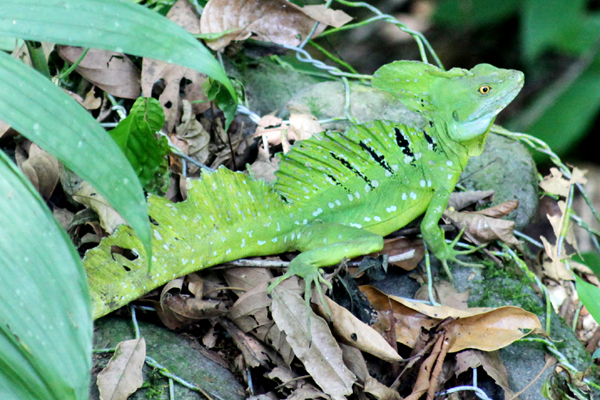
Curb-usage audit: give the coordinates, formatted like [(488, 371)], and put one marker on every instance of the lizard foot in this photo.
[(311, 275), (450, 254)]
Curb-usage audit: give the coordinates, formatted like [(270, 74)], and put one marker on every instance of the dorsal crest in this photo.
[(355, 161)]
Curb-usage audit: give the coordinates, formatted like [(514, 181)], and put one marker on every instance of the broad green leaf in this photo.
[(117, 25), (589, 295), (562, 114), (556, 24), (135, 135), (45, 114), (45, 312), (590, 259), (474, 13)]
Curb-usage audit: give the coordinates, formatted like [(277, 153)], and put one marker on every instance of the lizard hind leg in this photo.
[(323, 245)]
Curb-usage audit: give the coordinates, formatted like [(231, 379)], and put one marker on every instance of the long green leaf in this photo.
[(117, 25), (45, 114), (45, 312)]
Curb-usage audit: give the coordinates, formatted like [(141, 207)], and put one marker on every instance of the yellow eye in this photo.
[(485, 89)]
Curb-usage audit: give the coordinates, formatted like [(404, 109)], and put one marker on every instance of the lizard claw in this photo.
[(452, 254), (311, 275)]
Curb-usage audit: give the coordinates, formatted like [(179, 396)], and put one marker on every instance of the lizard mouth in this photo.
[(501, 100)]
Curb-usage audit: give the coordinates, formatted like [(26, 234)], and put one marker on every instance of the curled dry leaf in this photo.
[(40, 167), (111, 71), (491, 363), (500, 210), (265, 166), (123, 374), (485, 329), (109, 218), (319, 351), (403, 252), (191, 132), (327, 16), (460, 200), (483, 228), (353, 332), (255, 353), (276, 21), (250, 312)]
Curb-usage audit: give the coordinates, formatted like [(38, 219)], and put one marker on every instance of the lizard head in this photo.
[(465, 101), (470, 102)]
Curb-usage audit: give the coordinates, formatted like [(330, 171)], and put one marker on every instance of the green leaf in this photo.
[(117, 25), (556, 24), (45, 311), (562, 114), (589, 295), (589, 259), (43, 113), (135, 136), (474, 13)]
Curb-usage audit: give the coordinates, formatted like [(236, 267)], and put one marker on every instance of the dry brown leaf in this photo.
[(353, 332), (491, 363), (111, 71), (401, 246), (250, 312), (327, 16), (483, 228), (255, 353), (354, 360), (320, 352), (485, 329), (445, 294), (40, 167), (276, 21), (265, 166), (557, 184), (380, 391), (553, 265), (109, 218), (173, 76), (246, 278), (500, 210), (302, 123), (123, 374), (460, 200)]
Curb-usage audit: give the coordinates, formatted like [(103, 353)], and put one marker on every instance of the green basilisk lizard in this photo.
[(336, 195)]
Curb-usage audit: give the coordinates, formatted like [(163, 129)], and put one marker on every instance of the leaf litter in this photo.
[(271, 332)]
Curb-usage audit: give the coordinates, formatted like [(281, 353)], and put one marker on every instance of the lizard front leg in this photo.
[(434, 235), (321, 245)]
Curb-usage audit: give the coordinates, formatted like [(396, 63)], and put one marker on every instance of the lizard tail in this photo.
[(222, 208)]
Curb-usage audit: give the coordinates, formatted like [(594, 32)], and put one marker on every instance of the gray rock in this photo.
[(176, 352), (507, 168)]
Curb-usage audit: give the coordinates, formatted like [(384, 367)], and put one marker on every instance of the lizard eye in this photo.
[(485, 89)]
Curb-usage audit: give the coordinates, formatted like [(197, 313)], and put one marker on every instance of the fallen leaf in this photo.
[(276, 21), (109, 218), (175, 79), (483, 228), (255, 352), (191, 132), (446, 294), (318, 351), (111, 71), (265, 166), (40, 167), (403, 252), (485, 329), (353, 332), (327, 16), (302, 124), (461, 200), (380, 391), (491, 363), (500, 210), (123, 374)]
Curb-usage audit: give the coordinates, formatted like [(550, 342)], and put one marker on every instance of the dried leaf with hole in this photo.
[(112, 72), (174, 78), (485, 329), (276, 21), (123, 374), (319, 351)]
